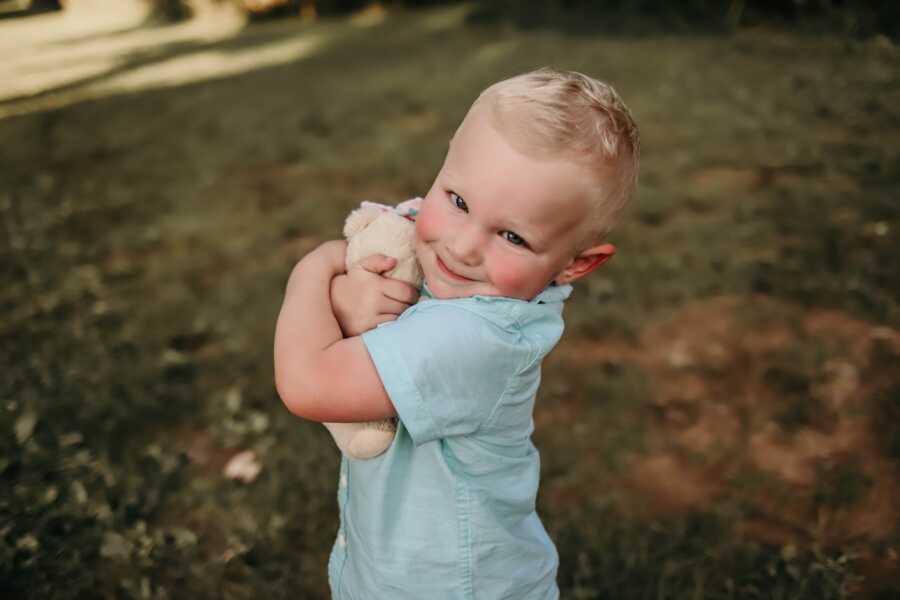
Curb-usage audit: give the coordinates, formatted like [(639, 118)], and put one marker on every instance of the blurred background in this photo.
[(721, 419)]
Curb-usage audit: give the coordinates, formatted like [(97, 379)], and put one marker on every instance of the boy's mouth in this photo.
[(446, 270)]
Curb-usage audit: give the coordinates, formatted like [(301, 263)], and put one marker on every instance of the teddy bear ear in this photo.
[(359, 219)]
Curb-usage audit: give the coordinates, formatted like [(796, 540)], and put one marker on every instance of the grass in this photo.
[(751, 315), (692, 557)]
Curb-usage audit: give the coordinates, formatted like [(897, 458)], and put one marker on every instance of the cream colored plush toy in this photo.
[(378, 229)]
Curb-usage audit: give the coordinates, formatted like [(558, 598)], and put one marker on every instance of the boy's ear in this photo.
[(586, 262)]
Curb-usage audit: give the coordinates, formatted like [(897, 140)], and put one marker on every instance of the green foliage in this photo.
[(859, 17)]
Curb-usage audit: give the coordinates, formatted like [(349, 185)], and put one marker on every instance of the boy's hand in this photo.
[(364, 298)]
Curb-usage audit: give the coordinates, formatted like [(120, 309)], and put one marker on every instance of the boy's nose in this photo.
[(465, 247)]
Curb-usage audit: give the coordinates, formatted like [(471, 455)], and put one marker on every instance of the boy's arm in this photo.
[(319, 375)]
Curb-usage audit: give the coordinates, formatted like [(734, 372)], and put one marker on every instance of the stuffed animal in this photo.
[(378, 229)]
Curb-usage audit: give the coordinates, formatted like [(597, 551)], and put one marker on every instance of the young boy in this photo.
[(532, 182)]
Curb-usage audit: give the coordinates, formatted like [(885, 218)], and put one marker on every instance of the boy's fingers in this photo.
[(401, 292), (393, 307), (378, 263)]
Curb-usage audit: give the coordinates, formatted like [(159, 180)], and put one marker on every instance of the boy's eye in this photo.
[(457, 201), (513, 238)]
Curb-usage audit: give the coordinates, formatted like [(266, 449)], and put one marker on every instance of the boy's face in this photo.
[(497, 222)]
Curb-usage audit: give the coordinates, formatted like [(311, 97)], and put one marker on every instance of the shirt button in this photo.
[(343, 480), (342, 541)]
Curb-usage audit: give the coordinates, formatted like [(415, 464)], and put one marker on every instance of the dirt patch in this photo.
[(751, 394), (670, 484)]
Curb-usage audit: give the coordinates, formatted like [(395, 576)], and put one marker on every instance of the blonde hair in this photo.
[(570, 114)]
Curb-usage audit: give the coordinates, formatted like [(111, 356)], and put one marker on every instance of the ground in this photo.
[(721, 419)]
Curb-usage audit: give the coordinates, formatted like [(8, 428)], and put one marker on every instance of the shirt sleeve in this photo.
[(444, 368)]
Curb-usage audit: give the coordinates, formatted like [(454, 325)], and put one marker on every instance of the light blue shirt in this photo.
[(448, 511)]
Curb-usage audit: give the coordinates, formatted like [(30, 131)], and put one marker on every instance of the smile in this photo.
[(446, 270)]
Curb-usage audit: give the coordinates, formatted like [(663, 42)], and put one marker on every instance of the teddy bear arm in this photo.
[(362, 441)]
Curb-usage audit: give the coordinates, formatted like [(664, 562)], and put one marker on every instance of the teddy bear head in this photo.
[(373, 229)]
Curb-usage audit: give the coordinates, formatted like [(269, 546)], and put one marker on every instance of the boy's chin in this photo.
[(446, 291)]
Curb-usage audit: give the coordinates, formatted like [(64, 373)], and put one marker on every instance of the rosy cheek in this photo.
[(510, 277), (427, 225)]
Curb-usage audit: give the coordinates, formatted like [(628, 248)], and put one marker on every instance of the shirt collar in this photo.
[(552, 293)]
